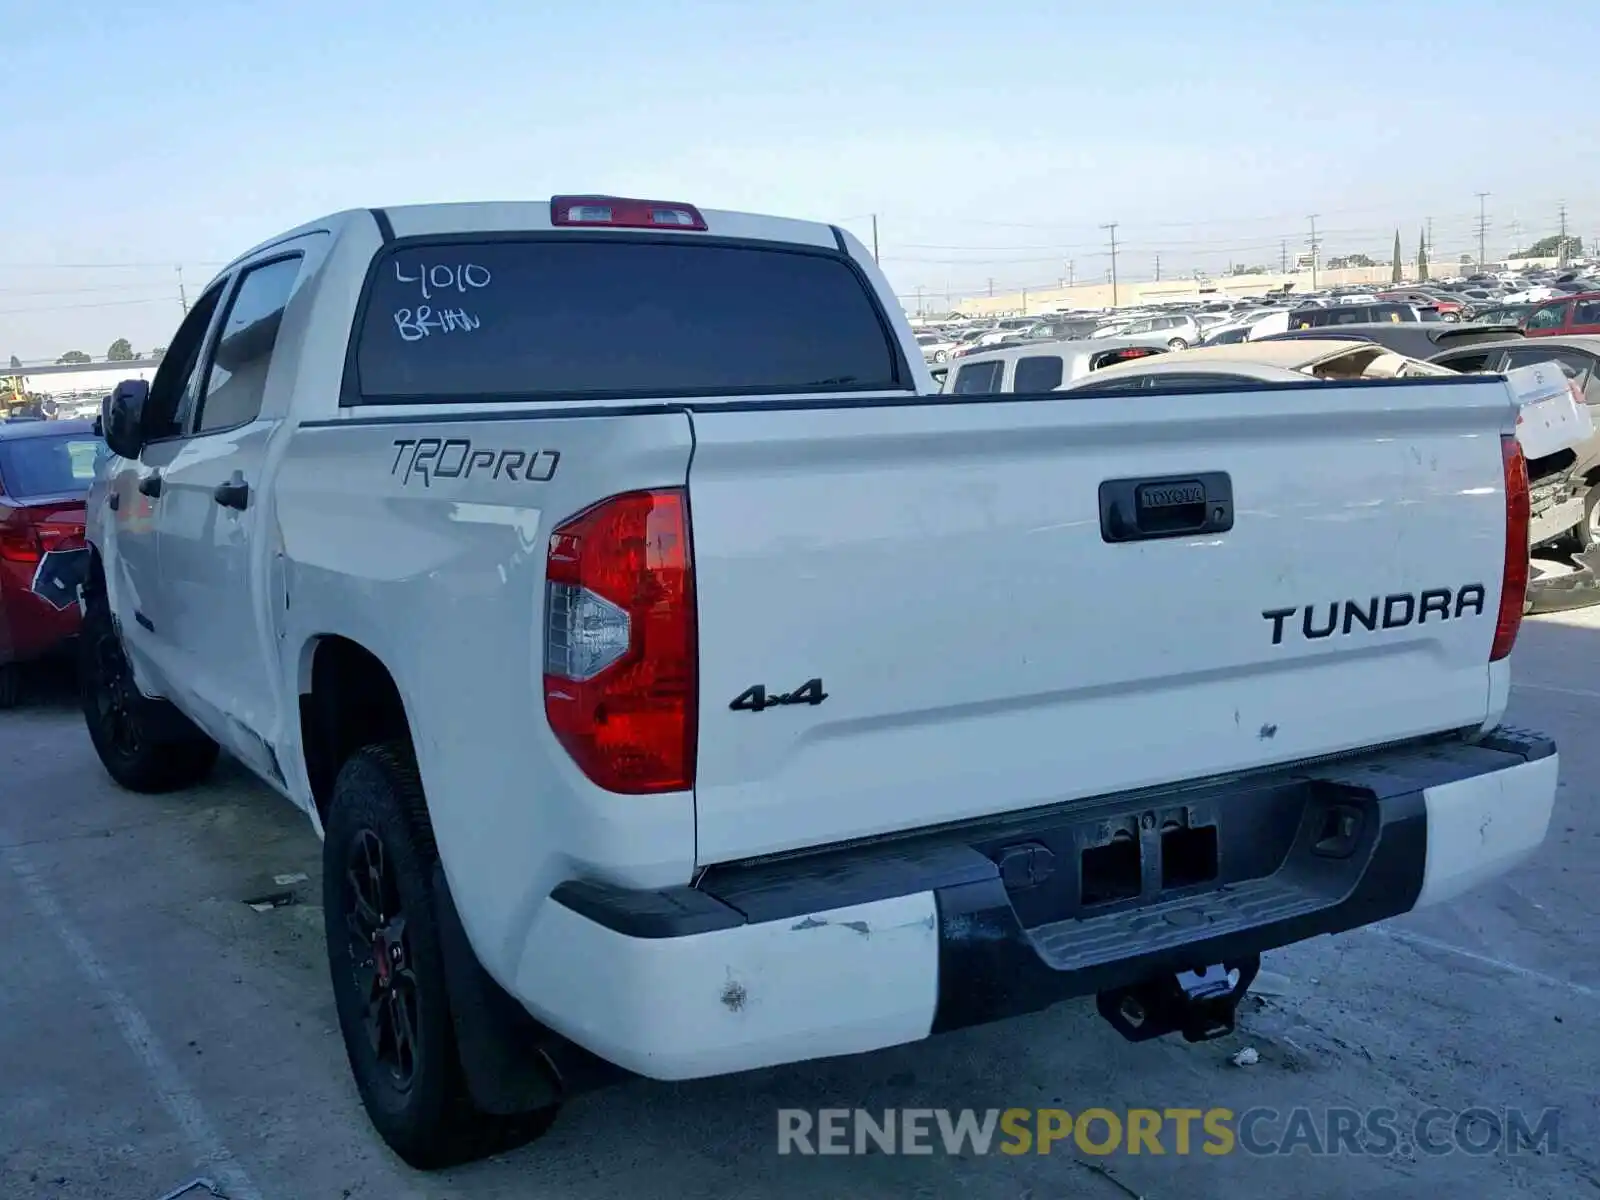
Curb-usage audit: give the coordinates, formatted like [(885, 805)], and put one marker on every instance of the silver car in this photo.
[(1173, 332)]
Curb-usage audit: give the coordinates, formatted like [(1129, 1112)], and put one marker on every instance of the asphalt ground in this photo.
[(156, 1029)]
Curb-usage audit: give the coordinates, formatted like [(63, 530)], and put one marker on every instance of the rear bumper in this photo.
[(30, 625), (855, 949)]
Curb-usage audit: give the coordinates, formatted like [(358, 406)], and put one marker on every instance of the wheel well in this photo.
[(353, 702)]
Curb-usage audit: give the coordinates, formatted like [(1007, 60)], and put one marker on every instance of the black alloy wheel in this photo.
[(383, 971)]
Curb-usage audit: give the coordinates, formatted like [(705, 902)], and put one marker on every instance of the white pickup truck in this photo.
[(680, 686)]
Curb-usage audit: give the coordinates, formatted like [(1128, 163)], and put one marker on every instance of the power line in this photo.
[(82, 291), (165, 298), (106, 266)]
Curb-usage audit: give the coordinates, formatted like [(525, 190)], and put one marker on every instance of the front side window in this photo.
[(238, 376), (178, 374)]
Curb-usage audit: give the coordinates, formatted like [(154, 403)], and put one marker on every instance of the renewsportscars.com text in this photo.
[(1180, 1131)]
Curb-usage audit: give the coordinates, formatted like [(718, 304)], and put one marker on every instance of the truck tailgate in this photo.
[(940, 567)]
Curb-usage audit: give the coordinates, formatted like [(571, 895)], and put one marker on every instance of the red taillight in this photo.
[(620, 663), (1514, 577), (27, 542), (617, 212), (19, 543)]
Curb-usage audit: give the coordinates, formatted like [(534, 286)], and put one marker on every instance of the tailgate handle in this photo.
[(1135, 510)]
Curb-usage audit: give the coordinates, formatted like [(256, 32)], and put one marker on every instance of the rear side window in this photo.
[(1574, 366), (978, 378), (612, 317), (1041, 373), (238, 376), (61, 465), (1587, 312), (1467, 364)]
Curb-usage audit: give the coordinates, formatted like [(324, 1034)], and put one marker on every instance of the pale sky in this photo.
[(992, 141)]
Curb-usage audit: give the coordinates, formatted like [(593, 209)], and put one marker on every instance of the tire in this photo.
[(1177, 344), (145, 745), (940, 355), (10, 685), (386, 964)]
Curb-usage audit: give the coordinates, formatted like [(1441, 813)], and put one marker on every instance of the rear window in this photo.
[(60, 465), (617, 317), (978, 378), (1039, 374)]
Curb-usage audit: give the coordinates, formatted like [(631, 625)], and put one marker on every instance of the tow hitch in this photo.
[(1198, 1004)]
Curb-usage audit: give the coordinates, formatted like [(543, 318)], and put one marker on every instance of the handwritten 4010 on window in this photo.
[(441, 281)]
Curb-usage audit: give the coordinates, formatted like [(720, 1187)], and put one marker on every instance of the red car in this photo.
[(1565, 316), (45, 471)]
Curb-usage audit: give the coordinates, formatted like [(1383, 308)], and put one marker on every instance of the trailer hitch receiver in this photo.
[(1199, 1004)]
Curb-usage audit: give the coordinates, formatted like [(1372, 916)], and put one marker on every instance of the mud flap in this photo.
[(1201, 1005), (513, 1063)]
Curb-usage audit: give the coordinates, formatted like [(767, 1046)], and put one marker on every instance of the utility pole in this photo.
[(919, 299), (1313, 219), (874, 237), (1516, 234), (1283, 257), (1111, 226), (1071, 275), (1430, 241), (991, 287), (1158, 268), (183, 300), (1483, 226), (1561, 246)]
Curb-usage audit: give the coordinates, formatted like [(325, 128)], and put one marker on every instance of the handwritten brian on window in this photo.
[(438, 279)]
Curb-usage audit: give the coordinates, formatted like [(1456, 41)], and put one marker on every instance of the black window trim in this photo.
[(352, 397), (222, 289), (190, 427)]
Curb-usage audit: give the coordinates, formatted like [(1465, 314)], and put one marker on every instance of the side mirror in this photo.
[(122, 418)]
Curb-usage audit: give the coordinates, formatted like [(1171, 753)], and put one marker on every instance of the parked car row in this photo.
[(1545, 301), (1565, 485)]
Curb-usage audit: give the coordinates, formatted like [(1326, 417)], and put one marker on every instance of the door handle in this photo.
[(233, 494), (150, 485), (1133, 510)]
